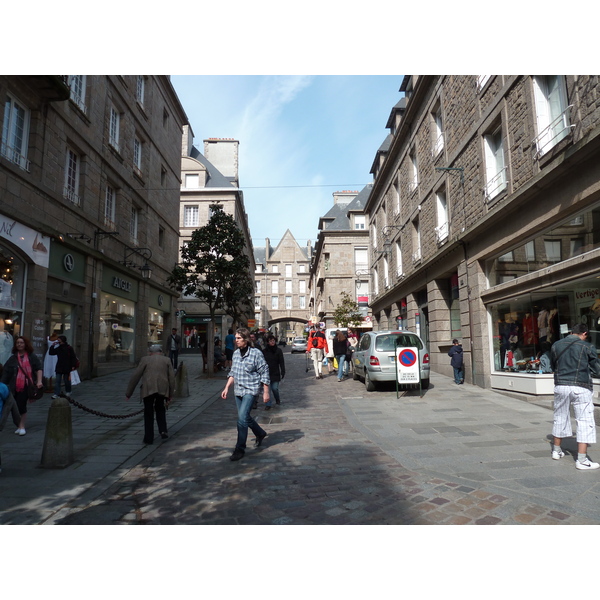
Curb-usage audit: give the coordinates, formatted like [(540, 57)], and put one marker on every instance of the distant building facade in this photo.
[(484, 220), (341, 259), (202, 184), (281, 301), (89, 196)]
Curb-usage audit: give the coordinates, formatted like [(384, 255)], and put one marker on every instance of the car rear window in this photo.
[(387, 343)]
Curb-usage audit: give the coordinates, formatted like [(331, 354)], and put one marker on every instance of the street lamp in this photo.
[(145, 253)]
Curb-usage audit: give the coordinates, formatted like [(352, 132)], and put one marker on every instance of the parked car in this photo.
[(299, 345), (375, 357)]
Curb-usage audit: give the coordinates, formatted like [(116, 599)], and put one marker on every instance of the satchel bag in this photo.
[(33, 391)]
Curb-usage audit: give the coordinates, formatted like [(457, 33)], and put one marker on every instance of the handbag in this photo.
[(33, 391)]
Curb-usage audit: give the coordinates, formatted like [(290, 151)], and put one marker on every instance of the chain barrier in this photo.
[(100, 414)]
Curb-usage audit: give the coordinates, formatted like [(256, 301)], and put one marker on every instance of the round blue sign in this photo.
[(407, 358)]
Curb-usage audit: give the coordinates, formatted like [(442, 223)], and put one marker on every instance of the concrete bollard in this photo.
[(182, 387), (58, 442)]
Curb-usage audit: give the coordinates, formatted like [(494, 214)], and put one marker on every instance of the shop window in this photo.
[(573, 237), (117, 329), (155, 327)]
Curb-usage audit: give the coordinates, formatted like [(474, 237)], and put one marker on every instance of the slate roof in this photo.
[(215, 178), (337, 216)]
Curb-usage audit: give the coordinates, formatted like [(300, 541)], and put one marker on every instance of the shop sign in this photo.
[(121, 284), (34, 244)]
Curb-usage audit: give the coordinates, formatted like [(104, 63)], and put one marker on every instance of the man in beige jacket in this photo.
[(158, 386)]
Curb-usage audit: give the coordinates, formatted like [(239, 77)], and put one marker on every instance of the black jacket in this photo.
[(275, 361), (67, 361), (574, 362), (11, 369), (456, 356)]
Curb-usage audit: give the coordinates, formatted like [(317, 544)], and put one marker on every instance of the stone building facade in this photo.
[(89, 196), (202, 184), (484, 220), (341, 258), (281, 301)]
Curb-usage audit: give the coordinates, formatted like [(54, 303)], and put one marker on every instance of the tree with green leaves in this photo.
[(215, 269), (346, 313)]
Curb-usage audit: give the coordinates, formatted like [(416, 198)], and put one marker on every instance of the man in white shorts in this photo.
[(574, 361)]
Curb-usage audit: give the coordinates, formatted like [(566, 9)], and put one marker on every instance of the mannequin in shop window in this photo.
[(553, 326), (543, 324), (530, 329)]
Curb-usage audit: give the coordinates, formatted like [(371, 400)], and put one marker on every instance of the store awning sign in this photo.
[(32, 243)]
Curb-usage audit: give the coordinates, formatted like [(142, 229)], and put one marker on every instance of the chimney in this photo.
[(223, 154), (187, 141), (344, 197), (267, 249)]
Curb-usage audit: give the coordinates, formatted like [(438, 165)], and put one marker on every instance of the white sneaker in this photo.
[(54, 396), (21, 432), (586, 465), (557, 454)]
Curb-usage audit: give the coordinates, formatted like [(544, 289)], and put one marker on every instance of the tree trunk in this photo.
[(210, 348)]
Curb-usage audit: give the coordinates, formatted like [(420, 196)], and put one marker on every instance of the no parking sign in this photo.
[(407, 361)]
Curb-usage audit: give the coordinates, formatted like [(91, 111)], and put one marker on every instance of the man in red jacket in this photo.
[(317, 342)]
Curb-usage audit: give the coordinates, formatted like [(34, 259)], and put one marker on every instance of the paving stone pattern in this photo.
[(335, 454)]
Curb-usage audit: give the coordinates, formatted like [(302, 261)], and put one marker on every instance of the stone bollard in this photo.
[(182, 387), (58, 442)]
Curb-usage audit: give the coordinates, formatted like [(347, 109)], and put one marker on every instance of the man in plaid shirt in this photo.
[(249, 371)]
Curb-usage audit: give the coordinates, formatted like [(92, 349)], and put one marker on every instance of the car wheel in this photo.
[(425, 383), (369, 385)]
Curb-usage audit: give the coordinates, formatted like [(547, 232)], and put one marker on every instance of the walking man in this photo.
[(456, 360), (158, 387), (173, 344), (316, 345), (574, 360), (249, 371), (274, 357)]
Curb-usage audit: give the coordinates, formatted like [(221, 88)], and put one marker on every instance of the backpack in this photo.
[(315, 341)]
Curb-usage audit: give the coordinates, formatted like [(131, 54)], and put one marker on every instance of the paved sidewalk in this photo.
[(335, 454), (104, 448)]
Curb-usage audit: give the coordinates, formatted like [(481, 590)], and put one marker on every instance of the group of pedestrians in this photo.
[(340, 347)]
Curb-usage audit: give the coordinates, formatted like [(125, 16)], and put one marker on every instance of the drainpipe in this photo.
[(473, 370)]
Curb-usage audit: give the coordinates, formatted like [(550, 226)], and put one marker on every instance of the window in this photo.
[(414, 173), (15, 132), (442, 216), (288, 270), (139, 89), (288, 302), (576, 246), (275, 302), (275, 287), (192, 181), (161, 236), (399, 268), (302, 302), (257, 283), (301, 268), (553, 251), (77, 86), (256, 301), (359, 221), (551, 110), (110, 201), (190, 216), (114, 127), (165, 117), (275, 269), (374, 235), (386, 272), (72, 167), (481, 81), (495, 171), (288, 287), (302, 286), (137, 156), (397, 194), (375, 282), (530, 251), (416, 240), (438, 132), (361, 259), (133, 224)]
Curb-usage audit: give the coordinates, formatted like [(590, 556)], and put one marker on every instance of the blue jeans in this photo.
[(341, 359), (67, 380), (245, 421), (458, 374), (274, 393)]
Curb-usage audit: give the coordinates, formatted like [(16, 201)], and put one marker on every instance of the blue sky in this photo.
[(301, 139)]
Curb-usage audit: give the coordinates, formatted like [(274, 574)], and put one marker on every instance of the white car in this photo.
[(375, 356), (299, 345)]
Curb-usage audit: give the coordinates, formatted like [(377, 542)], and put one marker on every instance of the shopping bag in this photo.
[(75, 379), (335, 363)]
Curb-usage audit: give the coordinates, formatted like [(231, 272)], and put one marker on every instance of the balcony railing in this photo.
[(442, 231), (15, 157), (71, 196), (558, 129), (496, 184), (416, 257), (438, 145)]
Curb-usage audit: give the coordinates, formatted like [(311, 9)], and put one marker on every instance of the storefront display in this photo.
[(12, 282)]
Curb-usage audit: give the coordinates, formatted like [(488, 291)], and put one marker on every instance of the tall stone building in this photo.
[(341, 258), (281, 301), (89, 196), (203, 184), (484, 220)]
